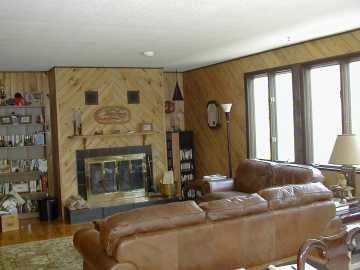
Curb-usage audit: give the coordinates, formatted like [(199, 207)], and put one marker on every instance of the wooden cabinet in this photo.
[(180, 159)]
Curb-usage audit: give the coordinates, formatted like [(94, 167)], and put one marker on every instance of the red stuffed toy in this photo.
[(19, 100)]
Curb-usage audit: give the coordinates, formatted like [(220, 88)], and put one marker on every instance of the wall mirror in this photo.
[(213, 112)]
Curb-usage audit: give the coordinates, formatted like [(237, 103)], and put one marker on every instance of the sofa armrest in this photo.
[(218, 185), (87, 242)]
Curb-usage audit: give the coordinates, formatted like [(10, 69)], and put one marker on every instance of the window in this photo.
[(296, 113), (284, 116), (261, 117), (326, 110), (271, 121), (354, 76)]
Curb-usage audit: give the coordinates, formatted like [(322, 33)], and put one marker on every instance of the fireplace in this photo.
[(114, 173)]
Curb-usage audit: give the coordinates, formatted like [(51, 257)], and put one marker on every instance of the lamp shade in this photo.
[(177, 93), (346, 150), (226, 107)]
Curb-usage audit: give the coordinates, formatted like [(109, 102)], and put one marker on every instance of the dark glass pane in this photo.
[(137, 174), (96, 178), (109, 177), (123, 177)]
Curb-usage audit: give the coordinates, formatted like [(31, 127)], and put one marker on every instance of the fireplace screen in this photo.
[(123, 176)]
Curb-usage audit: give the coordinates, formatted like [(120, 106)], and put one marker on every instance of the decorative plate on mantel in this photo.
[(112, 115)]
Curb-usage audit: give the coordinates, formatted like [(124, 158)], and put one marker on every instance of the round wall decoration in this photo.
[(169, 106), (112, 115)]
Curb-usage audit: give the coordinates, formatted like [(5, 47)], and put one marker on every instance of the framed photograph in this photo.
[(146, 127), (25, 119), (36, 99), (5, 120)]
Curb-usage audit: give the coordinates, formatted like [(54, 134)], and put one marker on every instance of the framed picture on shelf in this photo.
[(146, 127), (25, 119), (36, 99), (5, 120)]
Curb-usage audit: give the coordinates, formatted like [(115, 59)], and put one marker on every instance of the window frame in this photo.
[(303, 145), (251, 134)]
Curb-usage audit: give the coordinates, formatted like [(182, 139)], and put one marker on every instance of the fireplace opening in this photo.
[(125, 175), (114, 173)]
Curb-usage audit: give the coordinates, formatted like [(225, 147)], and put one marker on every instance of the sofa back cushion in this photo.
[(284, 174), (148, 219), (234, 207), (253, 175), (247, 241), (295, 195)]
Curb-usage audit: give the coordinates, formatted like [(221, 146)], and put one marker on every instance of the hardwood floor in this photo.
[(34, 230)]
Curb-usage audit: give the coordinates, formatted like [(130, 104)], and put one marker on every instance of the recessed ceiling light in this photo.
[(149, 53)]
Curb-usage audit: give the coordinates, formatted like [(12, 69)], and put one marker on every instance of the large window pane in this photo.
[(355, 96), (326, 110), (285, 116), (261, 117)]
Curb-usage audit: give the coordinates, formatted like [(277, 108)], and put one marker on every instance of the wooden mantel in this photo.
[(85, 137)]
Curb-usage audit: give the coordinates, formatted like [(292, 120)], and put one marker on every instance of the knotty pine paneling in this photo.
[(68, 87), (225, 83), (32, 82)]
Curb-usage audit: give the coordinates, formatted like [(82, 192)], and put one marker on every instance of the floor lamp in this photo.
[(227, 108)]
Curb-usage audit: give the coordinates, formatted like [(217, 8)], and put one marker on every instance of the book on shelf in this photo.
[(32, 185), (38, 184), (44, 183)]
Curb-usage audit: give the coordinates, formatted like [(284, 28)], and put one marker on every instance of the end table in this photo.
[(348, 211)]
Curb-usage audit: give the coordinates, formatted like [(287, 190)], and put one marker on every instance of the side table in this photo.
[(349, 211)]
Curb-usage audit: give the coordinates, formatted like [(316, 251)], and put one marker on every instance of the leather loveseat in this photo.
[(240, 231), (253, 175)]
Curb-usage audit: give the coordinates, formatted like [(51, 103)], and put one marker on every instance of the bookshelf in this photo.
[(23, 158), (180, 159)]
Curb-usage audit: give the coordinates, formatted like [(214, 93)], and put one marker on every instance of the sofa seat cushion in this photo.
[(219, 195), (294, 195), (148, 219), (234, 207)]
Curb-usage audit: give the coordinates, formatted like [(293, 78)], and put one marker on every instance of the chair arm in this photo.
[(87, 242), (218, 185)]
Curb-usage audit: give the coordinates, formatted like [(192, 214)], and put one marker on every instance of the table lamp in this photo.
[(227, 108), (346, 152)]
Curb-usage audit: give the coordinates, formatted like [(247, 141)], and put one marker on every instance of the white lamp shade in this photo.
[(226, 107), (346, 150)]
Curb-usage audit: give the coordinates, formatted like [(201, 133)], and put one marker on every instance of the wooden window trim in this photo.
[(302, 104)]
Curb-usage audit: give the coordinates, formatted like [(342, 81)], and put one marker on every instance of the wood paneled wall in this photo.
[(225, 83), (67, 93), (169, 86), (32, 82)]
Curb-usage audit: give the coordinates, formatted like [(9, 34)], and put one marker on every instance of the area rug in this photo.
[(52, 254)]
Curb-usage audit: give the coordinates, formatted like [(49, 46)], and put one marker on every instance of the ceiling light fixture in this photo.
[(149, 53)]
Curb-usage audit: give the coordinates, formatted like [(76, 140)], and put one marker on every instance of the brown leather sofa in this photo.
[(253, 175), (242, 231)]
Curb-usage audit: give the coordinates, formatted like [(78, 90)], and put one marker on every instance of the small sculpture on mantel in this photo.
[(77, 123)]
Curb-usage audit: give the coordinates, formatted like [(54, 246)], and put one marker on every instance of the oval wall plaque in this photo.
[(112, 115)]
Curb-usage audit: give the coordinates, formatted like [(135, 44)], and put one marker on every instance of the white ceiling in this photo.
[(185, 34)]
